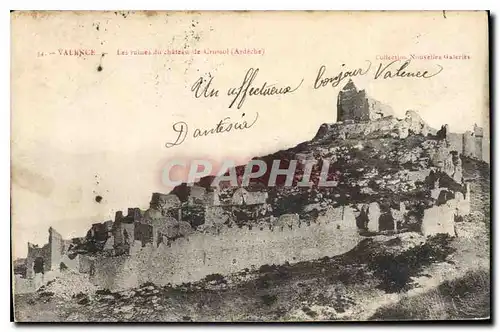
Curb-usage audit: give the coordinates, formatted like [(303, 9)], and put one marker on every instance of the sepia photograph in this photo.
[(250, 166)]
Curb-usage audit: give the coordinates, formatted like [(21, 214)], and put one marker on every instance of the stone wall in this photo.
[(355, 105), (456, 142), (473, 144), (352, 104), (469, 144), (380, 127), (243, 197), (71, 263), (230, 250), (440, 219), (85, 263), (44, 263), (387, 126), (223, 250), (39, 255), (30, 285), (477, 175), (57, 248), (49, 256), (485, 156), (119, 272)]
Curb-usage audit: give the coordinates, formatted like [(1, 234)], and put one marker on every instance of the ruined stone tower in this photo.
[(352, 104), (355, 105)]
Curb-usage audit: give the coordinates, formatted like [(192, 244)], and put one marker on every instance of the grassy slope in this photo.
[(467, 296), (462, 298), (354, 286)]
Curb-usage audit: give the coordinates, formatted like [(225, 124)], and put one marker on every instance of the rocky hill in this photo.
[(395, 163), (417, 205)]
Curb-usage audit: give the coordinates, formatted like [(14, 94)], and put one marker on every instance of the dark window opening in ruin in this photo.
[(386, 222), (362, 220), (125, 237), (38, 265), (62, 266), (444, 196), (241, 215), (20, 270)]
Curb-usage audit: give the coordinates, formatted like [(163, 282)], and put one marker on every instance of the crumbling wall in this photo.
[(123, 233), (352, 104), (378, 110), (49, 255), (378, 128), (197, 195), (30, 285), (469, 144), (71, 263), (479, 135), (85, 262), (455, 141), (230, 250), (476, 144), (447, 161), (485, 155), (43, 264), (143, 232), (479, 147), (479, 184), (164, 201), (38, 254), (217, 215), (373, 214), (440, 219), (243, 197), (342, 217), (27, 285), (56, 248), (118, 272), (355, 105), (416, 124)]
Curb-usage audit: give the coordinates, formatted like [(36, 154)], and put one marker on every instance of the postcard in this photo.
[(250, 166)]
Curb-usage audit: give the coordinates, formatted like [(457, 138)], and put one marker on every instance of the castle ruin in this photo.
[(355, 105), (195, 231)]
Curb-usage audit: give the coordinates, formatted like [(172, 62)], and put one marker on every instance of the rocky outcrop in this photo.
[(288, 220), (447, 161), (416, 125), (163, 203)]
